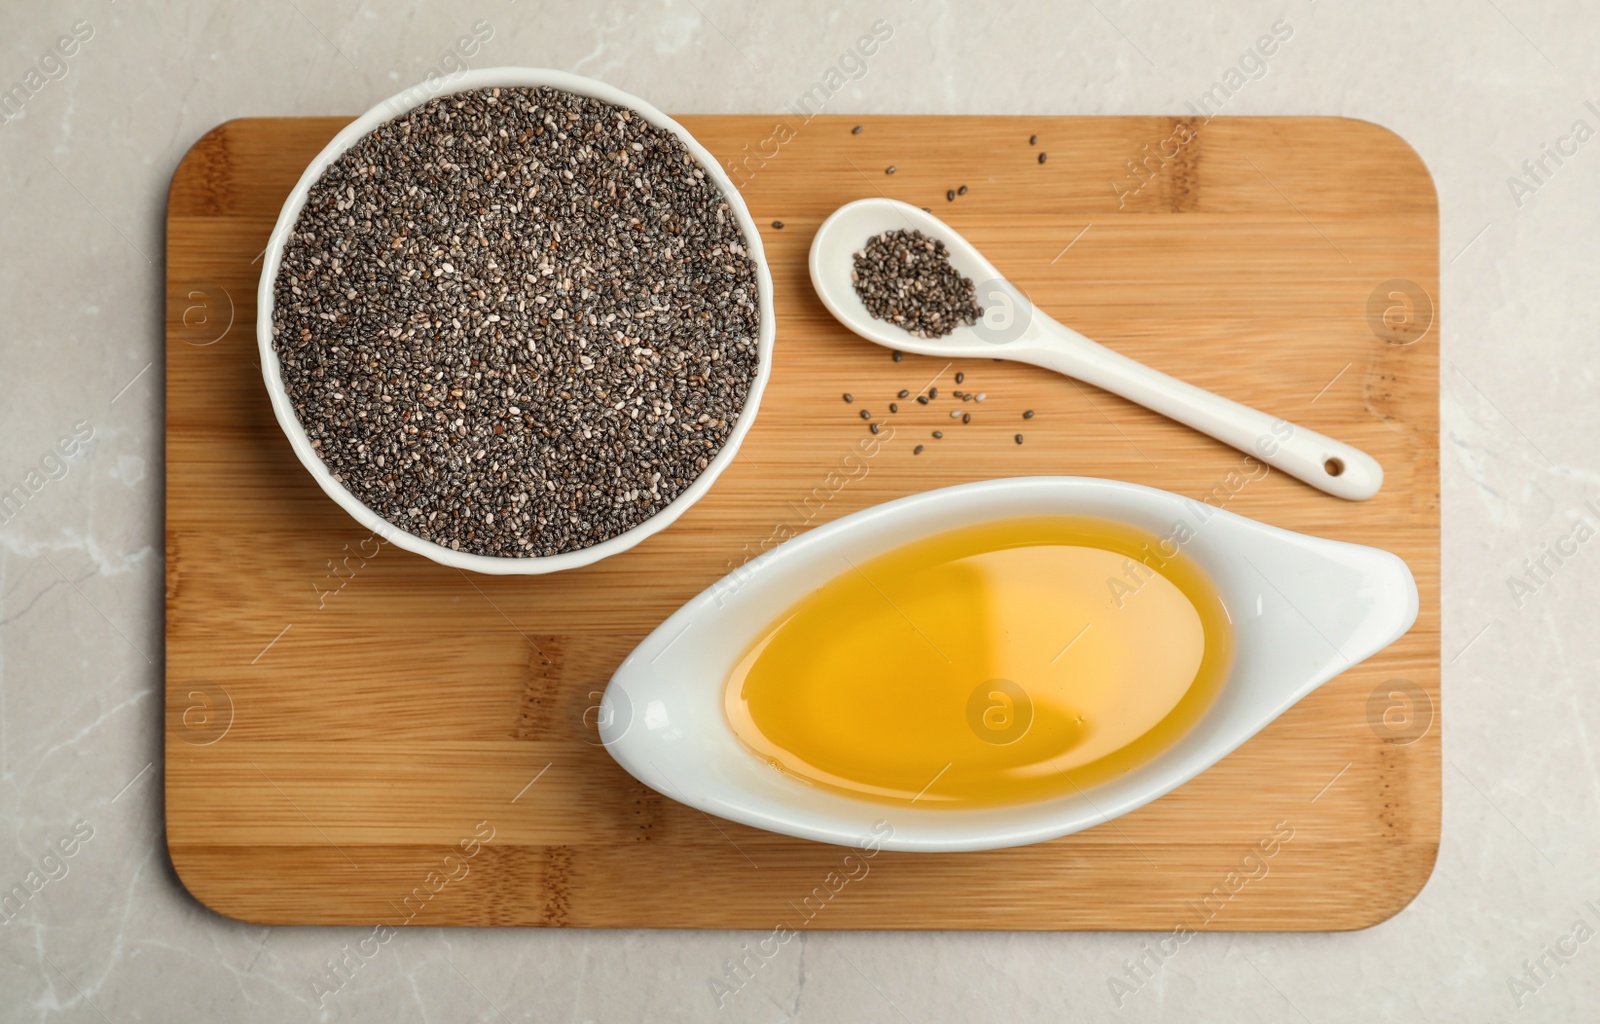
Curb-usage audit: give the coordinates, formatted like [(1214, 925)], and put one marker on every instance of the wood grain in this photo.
[(342, 715)]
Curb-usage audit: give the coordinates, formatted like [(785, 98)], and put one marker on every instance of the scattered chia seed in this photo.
[(889, 169), (922, 399), (872, 427), (938, 433), (849, 397), (917, 450), (905, 278), (866, 415), (1019, 438), (1028, 415), (961, 191), (856, 130), (961, 378), (899, 355), (966, 417), (950, 195), (516, 322), (955, 413), (1033, 140), (933, 392), (893, 407), (1042, 157), (981, 396), (904, 393), (778, 224)]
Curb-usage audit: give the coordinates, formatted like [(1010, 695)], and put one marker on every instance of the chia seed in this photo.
[(961, 378), (905, 278), (517, 322), (1028, 415)]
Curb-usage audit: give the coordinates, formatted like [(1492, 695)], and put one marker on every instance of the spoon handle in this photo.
[(1328, 465)]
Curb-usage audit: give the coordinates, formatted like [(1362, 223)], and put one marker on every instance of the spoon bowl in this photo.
[(1013, 328), (1303, 610), (1006, 313)]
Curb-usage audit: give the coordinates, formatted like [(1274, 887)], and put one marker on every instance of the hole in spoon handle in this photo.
[(1328, 465), (1334, 467)]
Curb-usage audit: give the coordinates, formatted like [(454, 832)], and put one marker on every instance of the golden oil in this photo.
[(1009, 661)]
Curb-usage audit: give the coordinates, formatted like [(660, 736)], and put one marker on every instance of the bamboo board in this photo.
[(347, 721)]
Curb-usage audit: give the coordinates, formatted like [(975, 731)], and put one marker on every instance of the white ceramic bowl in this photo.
[(394, 107), (1304, 609)]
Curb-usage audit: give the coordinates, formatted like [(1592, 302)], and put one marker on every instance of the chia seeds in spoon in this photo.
[(905, 278), (517, 322)]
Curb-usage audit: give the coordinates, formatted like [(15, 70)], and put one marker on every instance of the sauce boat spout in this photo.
[(1305, 609)]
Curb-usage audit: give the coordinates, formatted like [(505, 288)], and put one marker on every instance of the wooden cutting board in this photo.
[(356, 735)]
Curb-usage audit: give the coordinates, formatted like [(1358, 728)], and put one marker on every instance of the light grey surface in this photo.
[(1477, 87)]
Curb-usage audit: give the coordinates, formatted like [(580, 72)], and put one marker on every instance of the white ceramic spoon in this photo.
[(1012, 328)]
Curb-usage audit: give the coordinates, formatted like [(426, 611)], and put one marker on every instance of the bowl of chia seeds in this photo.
[(515, 321)]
